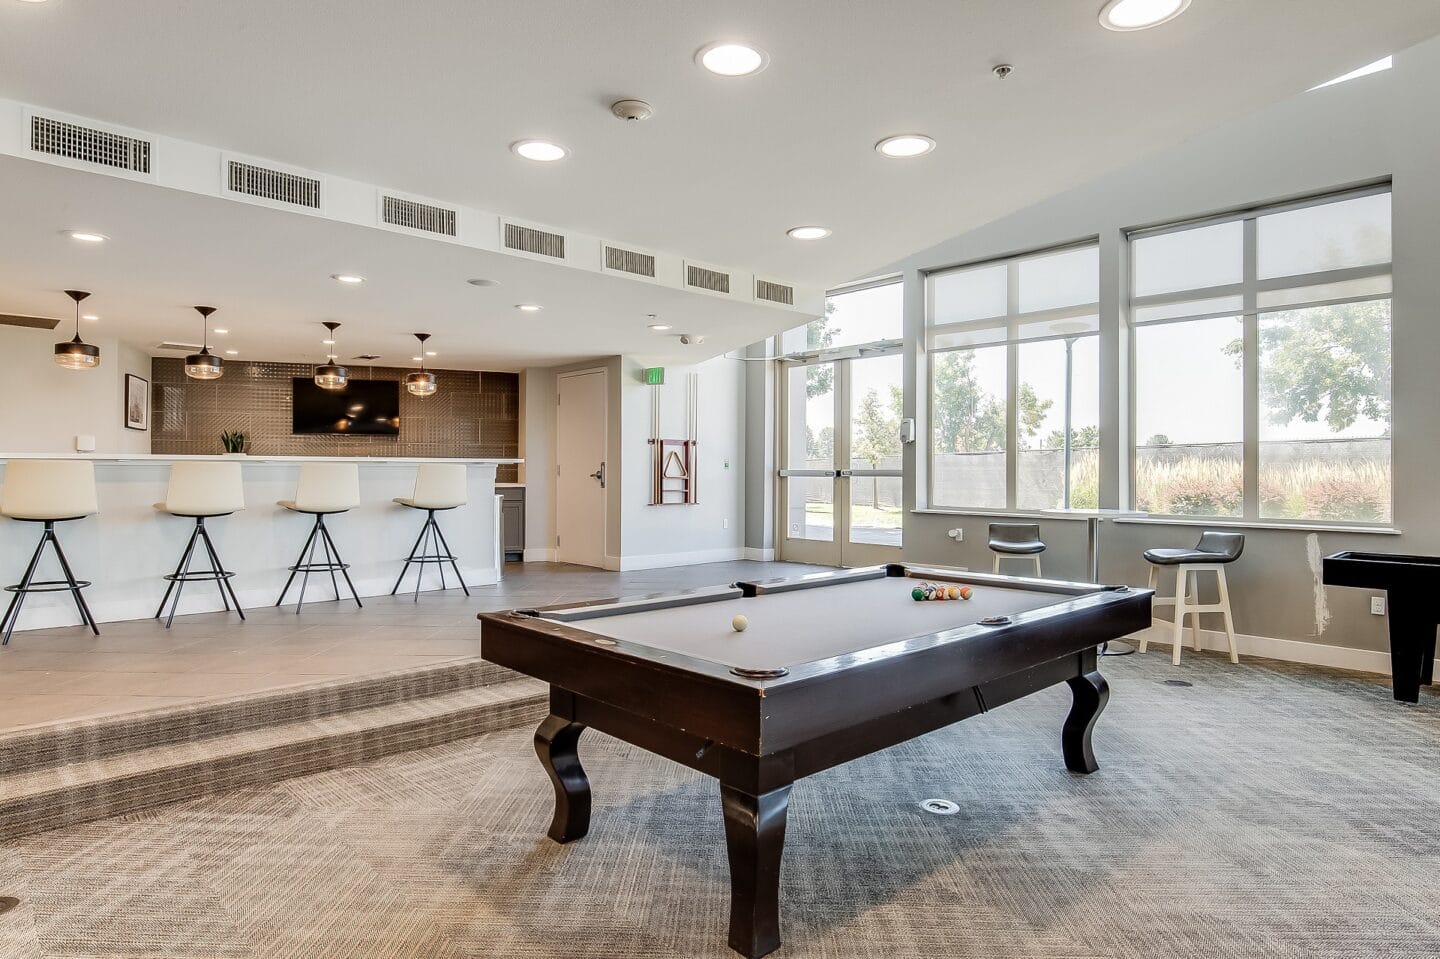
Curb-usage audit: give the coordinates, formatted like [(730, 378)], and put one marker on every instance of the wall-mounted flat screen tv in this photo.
[(362, 408)]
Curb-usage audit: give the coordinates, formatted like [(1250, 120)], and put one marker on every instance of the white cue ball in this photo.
[(739, 624)]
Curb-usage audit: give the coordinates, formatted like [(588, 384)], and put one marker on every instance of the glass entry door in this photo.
[(841, 480)]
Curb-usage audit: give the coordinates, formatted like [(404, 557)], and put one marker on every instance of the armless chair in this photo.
[(1016, 541), (438, 486), (48, 492), (1212, 554), (323, 489), (201, 491)]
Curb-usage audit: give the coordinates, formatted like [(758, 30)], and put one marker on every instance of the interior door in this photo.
[(580, 444), (840, 475)]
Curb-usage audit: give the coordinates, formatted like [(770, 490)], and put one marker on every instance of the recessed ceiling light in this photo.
[(219, 331), (1127, 15), (905, 145), (232, 352), (90, 316), (541, 151), (415, 359), (327, 342), (85, 236), (529, 307), (659, 327), (729, 59), (347, 278), (481, 281), (431, 353), (807, 233)]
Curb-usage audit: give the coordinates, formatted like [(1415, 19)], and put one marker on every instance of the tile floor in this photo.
[(59, 674)]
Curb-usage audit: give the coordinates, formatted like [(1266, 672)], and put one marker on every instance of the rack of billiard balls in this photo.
[(937, 591)]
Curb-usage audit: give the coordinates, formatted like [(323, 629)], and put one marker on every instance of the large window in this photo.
[(1262, 364), (1014, 382)]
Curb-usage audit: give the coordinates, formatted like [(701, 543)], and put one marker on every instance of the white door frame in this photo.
[(607, 467)]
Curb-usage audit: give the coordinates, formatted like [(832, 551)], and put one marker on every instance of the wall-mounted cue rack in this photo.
[(675, 463)]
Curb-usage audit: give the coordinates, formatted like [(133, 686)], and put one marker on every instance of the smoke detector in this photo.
[(632, 109)]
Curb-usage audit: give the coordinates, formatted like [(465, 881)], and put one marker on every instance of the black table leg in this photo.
[(556, 744), (1091, 692), (755, 840), (1411, 631)]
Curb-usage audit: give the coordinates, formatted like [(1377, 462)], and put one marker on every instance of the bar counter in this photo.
[(129, 546)]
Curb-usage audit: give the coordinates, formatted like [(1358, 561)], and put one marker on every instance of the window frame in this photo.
[(1249, 290), (1011, 321)]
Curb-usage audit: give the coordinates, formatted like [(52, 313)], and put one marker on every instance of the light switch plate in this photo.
[(1377, 605)]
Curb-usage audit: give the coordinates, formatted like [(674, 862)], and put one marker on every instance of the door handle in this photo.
[(600, 474)]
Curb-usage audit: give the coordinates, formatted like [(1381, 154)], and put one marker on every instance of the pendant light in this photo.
[(422, 382), (77, 354), (331, 375), (204, 365)]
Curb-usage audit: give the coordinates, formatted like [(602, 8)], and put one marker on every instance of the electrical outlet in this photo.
[(1377, 605), (958, 535)]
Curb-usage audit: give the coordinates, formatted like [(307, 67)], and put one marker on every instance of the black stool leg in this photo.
[(309, 560), (335, 550), (294, 569), (80, 603), (181, 568), (454, 563), (222, 577), (408, 560), (329, 559), (12, 612)]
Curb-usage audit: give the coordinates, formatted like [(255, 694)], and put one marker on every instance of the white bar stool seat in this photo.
[(201, 491), (322, 490), (438, 486), (1211, 555), (49, 492)]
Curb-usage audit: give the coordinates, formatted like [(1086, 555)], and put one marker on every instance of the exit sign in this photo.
[(655, 376)]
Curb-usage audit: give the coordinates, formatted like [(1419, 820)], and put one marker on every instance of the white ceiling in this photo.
[(425, 98)]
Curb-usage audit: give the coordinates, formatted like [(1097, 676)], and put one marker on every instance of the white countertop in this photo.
[(150, 458)]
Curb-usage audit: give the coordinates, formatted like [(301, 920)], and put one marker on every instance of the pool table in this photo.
[(1410, 584), (832, 666)]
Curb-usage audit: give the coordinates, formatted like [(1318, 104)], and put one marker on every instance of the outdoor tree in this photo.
[(1158, 439), (1081, 437), (875, 432), (1327, 362), (967, 418), (819, 335)]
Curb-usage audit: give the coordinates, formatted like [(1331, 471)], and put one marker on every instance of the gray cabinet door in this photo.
[(512, 516)]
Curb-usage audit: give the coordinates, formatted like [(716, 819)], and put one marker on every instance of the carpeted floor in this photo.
[(1264, 811)]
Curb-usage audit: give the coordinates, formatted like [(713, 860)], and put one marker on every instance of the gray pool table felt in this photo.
[(806, 625)]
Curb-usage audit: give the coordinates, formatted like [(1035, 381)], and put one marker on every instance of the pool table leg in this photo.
[(755, 840), (556, 743), (1091, 692)]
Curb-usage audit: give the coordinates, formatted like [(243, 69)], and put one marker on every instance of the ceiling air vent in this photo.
[(527, 239), (28, 322), (178, 347), (774, 292), (705, 279), (252, 180), (414, 215), (89, 145), (629, 261)]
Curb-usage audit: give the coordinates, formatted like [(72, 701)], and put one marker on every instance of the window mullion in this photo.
[(1012, 388), (1250, 448)]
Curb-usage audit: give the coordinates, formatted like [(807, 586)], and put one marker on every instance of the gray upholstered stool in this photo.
[(48, 492), (1016, 541), (1211, 554)]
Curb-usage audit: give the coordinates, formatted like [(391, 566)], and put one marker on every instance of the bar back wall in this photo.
[(471, 414)]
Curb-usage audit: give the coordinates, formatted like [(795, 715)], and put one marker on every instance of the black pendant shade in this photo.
[(204, 365), (331, 375), (422, 381), (76, 354)]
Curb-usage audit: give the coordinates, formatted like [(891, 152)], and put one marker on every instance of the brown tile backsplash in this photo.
[(472, 414)]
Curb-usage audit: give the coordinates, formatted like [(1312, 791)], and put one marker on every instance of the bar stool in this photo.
[(438, 486), (322, 490), (49, 492), (201, 491), (1211, 554), (1016, 540)]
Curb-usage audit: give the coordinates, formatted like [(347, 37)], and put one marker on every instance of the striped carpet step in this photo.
[(56, 744), (48, 797)]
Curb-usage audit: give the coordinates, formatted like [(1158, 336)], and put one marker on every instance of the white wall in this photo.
[(711, 530), (43, 406)]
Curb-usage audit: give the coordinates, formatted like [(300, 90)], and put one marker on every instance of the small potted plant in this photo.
[(234, 442)]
